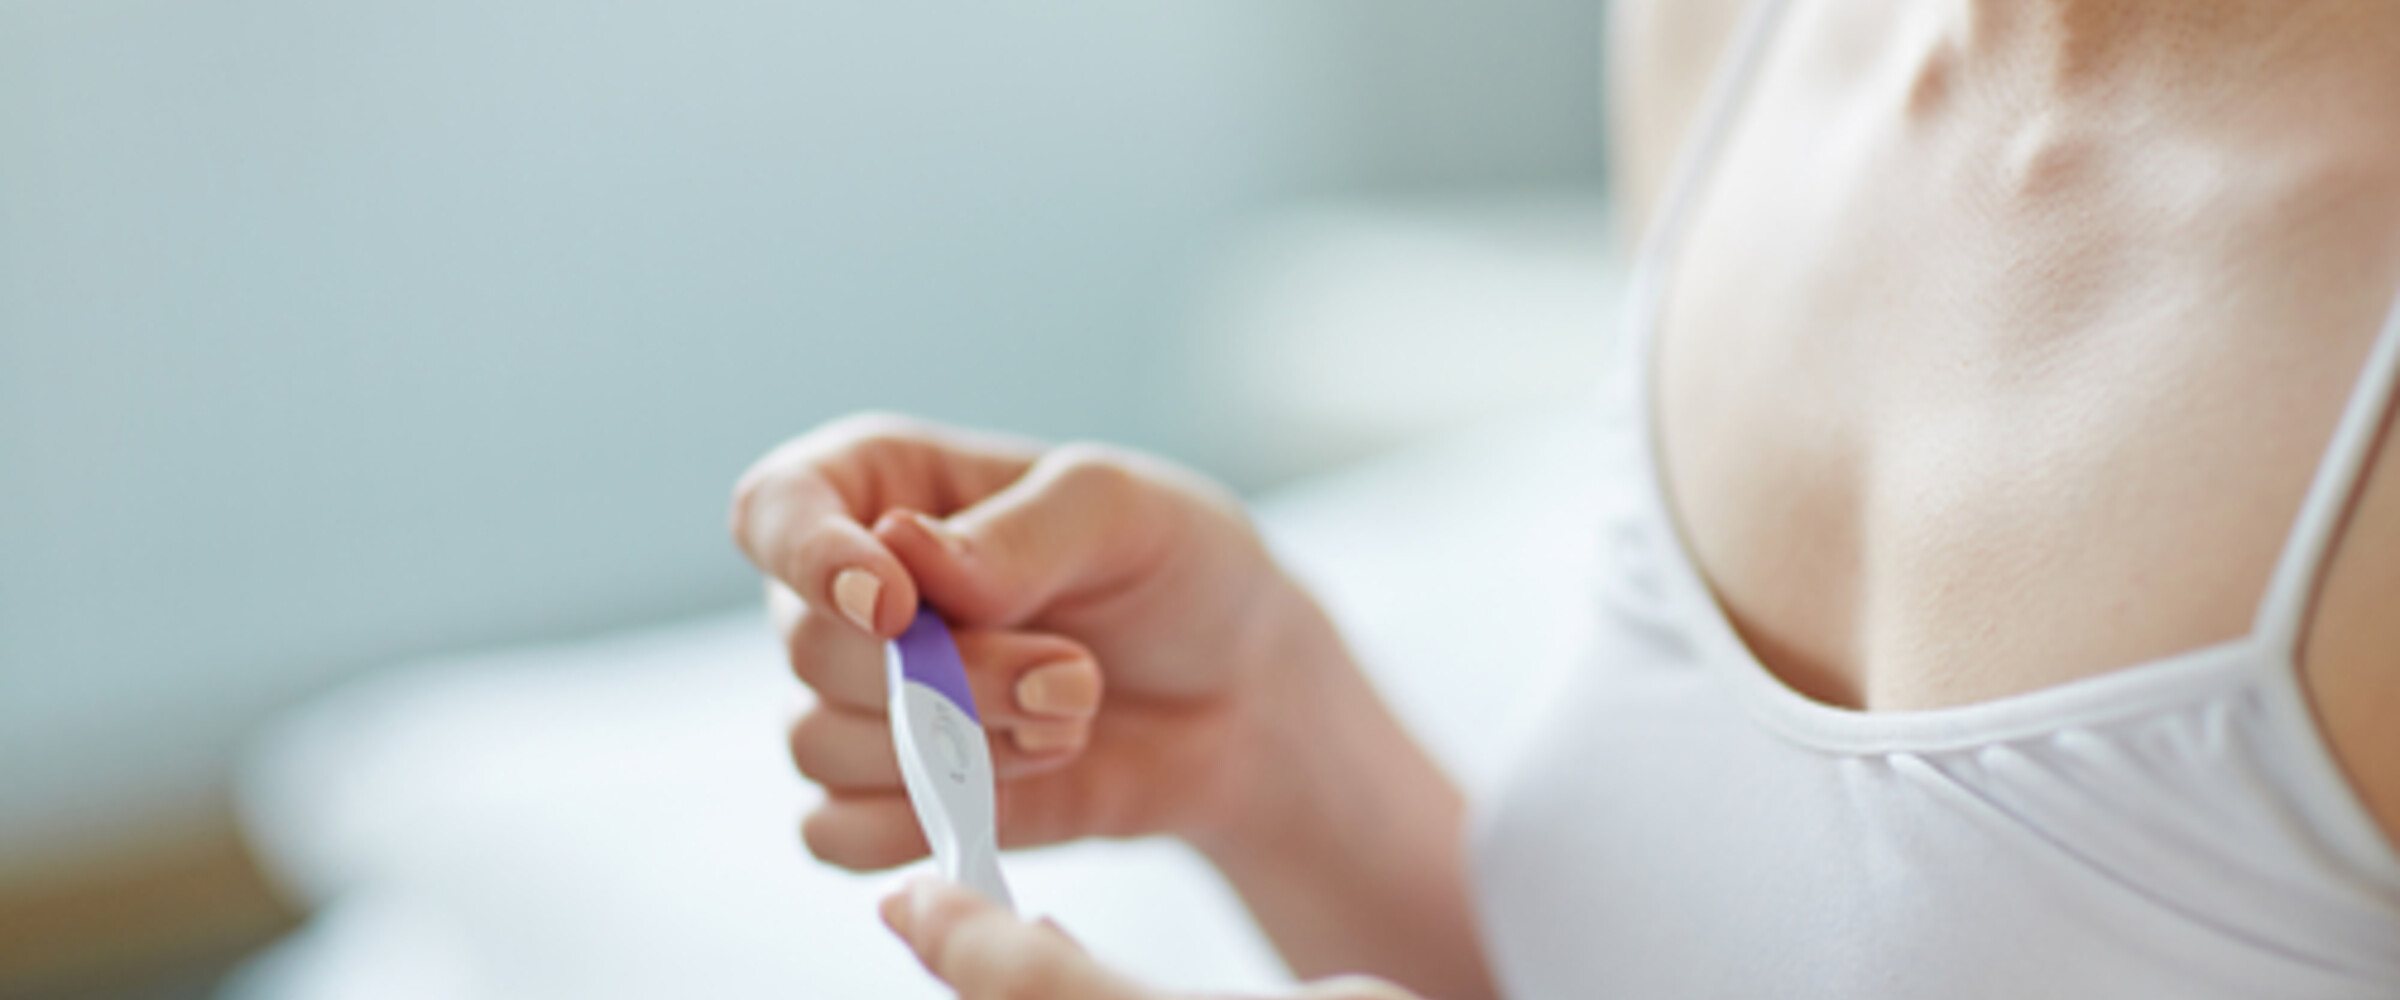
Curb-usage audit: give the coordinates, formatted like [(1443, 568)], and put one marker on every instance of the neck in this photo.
[(2072, 43)]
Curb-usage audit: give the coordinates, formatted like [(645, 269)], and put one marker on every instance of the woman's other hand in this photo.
[(987, 953)]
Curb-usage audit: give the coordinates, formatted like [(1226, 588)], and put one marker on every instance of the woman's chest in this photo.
[(1951, 417)]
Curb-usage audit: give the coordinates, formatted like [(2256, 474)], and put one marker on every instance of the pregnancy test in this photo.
[(943, 758)]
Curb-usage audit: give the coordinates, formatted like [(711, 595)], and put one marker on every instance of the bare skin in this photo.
[(2005, 341), (1142, 666), (1999, 355)]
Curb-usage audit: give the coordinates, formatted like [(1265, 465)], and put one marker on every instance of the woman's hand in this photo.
[(1141, 666), (1051, 565), (986, 953)]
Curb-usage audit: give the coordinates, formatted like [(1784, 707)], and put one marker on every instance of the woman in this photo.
[(1985, 609)]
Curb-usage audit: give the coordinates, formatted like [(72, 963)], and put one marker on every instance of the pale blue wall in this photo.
[(334, 333)]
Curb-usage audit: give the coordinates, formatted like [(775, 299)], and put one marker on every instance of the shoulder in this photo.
[(1661, 56)]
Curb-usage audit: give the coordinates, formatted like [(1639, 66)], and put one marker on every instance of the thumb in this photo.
[(1082, 518), (983, 951)]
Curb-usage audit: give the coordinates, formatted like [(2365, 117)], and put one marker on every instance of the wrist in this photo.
[(1317, 757), (1344, 839), (1301, 680)]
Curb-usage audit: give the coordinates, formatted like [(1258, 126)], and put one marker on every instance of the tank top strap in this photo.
[(2283, 610), (1655, 254)]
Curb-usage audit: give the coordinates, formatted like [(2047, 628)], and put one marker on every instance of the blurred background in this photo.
[(335, 337)]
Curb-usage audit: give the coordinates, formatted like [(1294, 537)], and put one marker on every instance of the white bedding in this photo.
[(616, 818)]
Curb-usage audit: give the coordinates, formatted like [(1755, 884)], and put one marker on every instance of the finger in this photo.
[(1081, 517), (1036, 693), (1034, 675), (837, 660), (1039, 681), (1036, 684), (802, 535), (800, 513), (986, 953), (846, 751), (869, 832), (850, 752), (870, 829)]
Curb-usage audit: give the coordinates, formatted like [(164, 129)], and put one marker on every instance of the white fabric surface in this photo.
[(617, 818)]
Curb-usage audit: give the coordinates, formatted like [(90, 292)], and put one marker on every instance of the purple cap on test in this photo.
[(929, 656)]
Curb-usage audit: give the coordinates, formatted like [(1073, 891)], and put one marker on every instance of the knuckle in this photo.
[(1095, 472), (836, 754), (866, 424), (818, 446), (809, 746), (853, 842), (1099, 463), (824, 841), (831, 658), (742, 513), (819, 545), (761, 511), (868, 430), (810, 664)]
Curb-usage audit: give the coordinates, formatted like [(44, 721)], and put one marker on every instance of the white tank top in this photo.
[(1678, 823)]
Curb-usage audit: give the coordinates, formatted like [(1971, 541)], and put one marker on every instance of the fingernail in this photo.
[(1066, 688), (941, 532), (1048, 737), (854, 591)]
